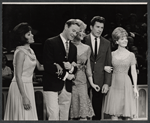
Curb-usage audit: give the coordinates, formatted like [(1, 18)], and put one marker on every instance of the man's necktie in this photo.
[(95, 48), (67, 48)]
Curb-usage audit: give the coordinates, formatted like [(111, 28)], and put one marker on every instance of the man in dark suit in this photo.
[(59, 52), (100, 57)]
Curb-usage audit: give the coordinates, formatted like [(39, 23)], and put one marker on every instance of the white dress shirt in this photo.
[(64, 42), (93, 43)]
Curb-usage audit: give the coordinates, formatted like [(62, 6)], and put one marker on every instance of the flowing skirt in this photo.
[(120, 100), (14, 107)]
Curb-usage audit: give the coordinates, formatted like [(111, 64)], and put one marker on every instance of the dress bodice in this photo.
[(123, 65), (83, 62), (83, 57), (28, 65)]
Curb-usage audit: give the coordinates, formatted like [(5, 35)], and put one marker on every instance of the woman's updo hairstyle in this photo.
[(118, 33)]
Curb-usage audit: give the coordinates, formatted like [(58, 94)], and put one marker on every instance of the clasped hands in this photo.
[(67, 66)]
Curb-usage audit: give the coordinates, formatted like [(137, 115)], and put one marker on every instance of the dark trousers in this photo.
[(97, 98)]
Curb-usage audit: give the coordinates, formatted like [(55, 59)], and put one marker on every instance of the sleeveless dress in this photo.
[(120, 100), (80, 103), (14, 107)]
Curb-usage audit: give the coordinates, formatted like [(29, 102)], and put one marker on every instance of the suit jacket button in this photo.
[(95, 62)]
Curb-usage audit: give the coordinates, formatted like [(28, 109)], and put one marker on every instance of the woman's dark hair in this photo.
[(97, 19), (18, 35)]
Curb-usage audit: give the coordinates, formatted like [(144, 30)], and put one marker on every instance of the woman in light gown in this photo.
[(120, 100), (81, 106), (21, 100)]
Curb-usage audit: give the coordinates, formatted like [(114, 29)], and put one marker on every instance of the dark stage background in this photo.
[(47, 20)]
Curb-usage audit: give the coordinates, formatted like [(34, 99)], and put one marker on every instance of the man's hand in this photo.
[(108, 69), (70, 76), (74, 64), (67, 65), (59, 69), (105, 88)]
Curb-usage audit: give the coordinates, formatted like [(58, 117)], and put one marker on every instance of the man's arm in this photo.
[(69, 66), (49, 61), (108, 63)]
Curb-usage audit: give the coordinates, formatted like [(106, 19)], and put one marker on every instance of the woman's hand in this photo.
[(108, 69), (136, 93), (67, 65), (59, 69), (70, 76), (39, 66), (26, 103), (74, 64), (96, 87)]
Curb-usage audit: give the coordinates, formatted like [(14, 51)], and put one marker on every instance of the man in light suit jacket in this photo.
[(100, 57), (59, 52)]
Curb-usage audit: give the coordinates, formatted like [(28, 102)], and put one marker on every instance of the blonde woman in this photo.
[(81, 106), (120, 100)]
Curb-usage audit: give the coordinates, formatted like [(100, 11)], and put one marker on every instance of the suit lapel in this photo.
[(90, 44), (62, 46)]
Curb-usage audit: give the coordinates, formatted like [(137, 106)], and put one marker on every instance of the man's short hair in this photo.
[(97, 19), (72, 22)]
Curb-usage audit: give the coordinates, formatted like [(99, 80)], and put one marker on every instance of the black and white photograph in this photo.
[(74, 61)]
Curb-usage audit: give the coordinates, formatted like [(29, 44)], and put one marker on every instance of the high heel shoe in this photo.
[(83, 119)]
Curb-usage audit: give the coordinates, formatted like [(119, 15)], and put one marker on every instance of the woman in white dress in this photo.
[(21, 100)]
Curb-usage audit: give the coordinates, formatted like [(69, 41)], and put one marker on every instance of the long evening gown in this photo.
[(120, 100), (81, 104), (14, 107)]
